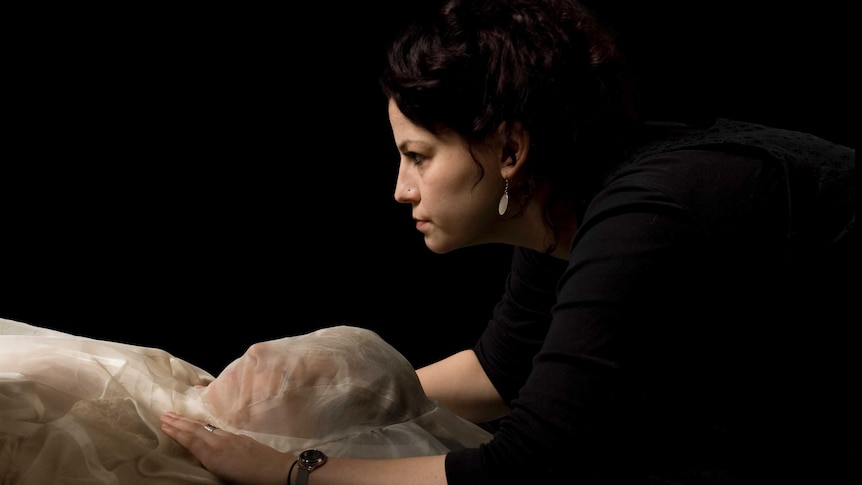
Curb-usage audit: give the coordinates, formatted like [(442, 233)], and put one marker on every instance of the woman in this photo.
[(657, 322)]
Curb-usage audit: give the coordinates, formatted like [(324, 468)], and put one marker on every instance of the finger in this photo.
[(180, 422), (196, 427), (183, 422), (185, 430)]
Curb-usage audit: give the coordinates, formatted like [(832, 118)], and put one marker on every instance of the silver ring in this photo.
[(210, 427)]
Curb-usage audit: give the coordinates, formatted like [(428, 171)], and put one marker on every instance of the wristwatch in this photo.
[(308, 460)]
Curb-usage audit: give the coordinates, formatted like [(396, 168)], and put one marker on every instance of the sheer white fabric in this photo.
[(86, 411)]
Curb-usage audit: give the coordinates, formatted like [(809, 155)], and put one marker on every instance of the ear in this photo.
[(516, 147)]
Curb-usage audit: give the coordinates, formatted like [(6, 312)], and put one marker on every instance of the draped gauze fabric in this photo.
[(85, 411)]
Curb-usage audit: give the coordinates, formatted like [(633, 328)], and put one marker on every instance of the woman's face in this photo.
[(439, 178)]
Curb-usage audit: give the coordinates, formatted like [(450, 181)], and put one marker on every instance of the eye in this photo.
[(415, 157)]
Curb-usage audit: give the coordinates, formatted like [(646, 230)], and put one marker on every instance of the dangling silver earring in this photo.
[(504, 200)]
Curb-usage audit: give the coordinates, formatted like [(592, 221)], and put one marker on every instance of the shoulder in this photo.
[(737, 137), (686, 177), (719, 159)]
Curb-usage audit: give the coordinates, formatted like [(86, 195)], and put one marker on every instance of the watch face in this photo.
[(312, 457)]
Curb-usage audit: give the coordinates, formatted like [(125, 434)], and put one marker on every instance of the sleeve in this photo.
[(571, 357), (520, 321), (645, 275)]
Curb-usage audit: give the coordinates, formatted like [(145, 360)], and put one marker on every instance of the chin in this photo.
[(438, 248)]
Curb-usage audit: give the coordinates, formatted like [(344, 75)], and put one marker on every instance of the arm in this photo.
[(460, 383), (243, 460), (422, 470)]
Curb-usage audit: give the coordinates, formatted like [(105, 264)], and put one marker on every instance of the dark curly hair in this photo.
[(549, 65)]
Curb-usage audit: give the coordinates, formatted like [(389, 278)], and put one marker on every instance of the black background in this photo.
[(199, 180)]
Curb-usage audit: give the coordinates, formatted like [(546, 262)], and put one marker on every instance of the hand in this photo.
[(235, 458)]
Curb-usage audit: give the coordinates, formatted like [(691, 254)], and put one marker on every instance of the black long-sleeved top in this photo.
[(697, 333)]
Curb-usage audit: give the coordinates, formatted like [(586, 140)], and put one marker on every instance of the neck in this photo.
[(529, 229), (565, 221)]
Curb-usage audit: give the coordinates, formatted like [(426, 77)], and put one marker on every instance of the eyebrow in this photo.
[(403, 146)]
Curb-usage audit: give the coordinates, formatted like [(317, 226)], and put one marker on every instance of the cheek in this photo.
[(450, 184), (463, 213), (469, 193)]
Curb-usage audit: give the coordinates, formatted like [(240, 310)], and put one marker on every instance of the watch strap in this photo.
[(302, 475)]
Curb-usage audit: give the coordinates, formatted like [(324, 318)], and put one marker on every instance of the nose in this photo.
[(405, 191)]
